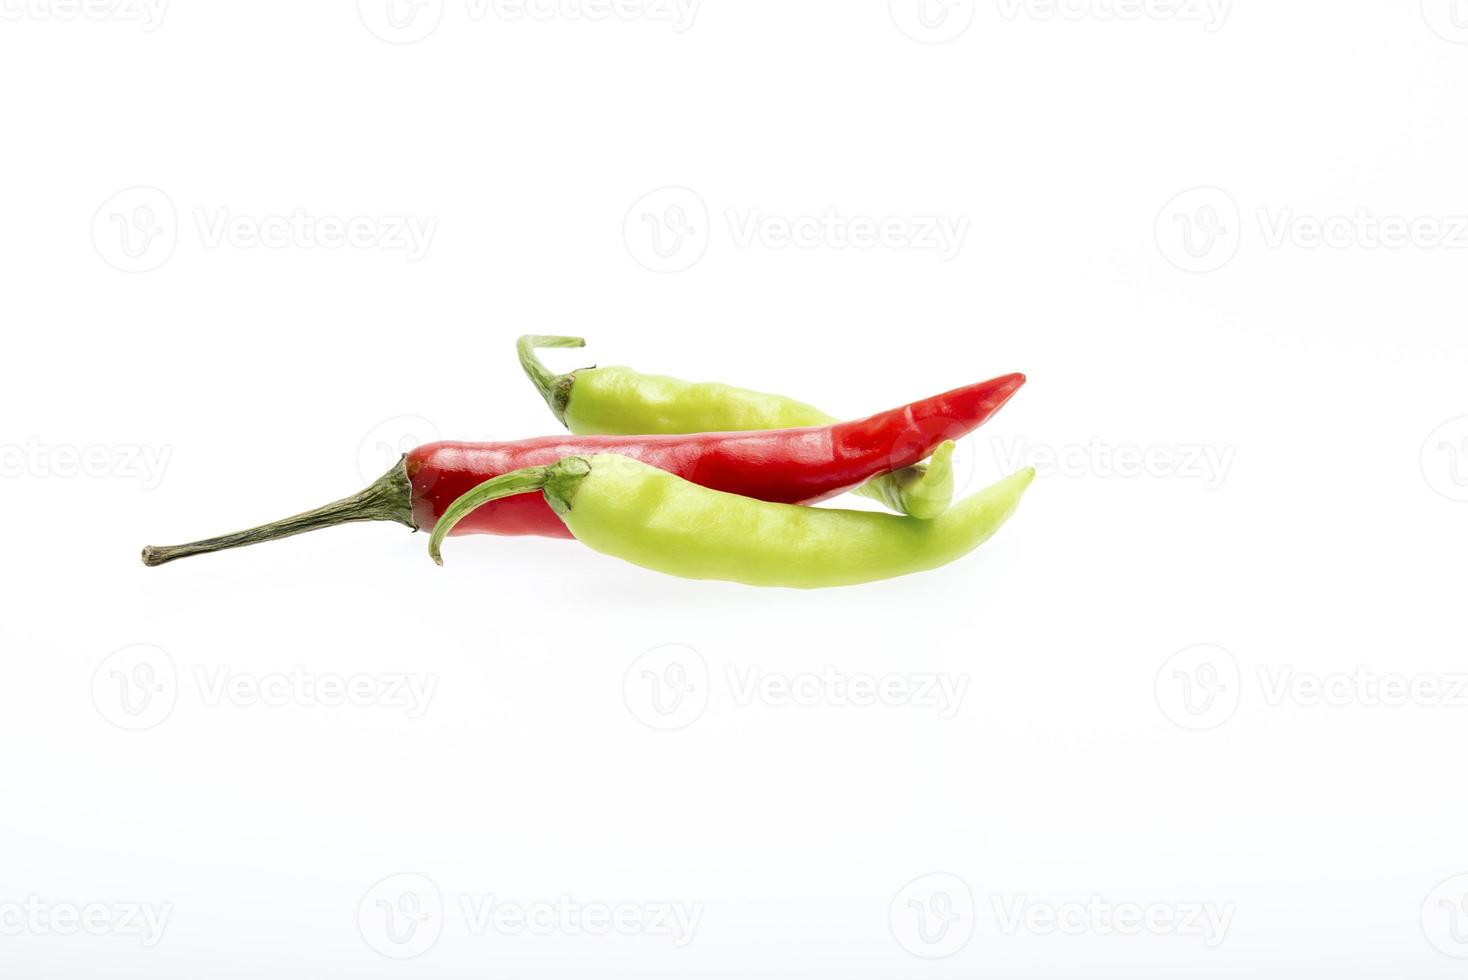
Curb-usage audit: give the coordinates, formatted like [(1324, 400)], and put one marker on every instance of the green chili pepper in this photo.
[(627, 509), (621, 401)]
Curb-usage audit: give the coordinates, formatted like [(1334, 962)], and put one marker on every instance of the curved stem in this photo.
[(925, 493), (554, 388), (504, 485), (390, 498)]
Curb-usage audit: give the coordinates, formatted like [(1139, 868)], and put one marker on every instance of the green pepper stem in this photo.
[(554, 388), (925, 492), (390, 498), (505, 485)]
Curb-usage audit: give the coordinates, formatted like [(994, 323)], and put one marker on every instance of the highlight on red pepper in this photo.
[(789, 466)]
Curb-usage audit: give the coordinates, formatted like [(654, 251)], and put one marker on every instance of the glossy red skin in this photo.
[(791, 466)]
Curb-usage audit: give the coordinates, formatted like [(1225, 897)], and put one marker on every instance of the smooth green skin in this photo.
[(618, 401), (638, 513)]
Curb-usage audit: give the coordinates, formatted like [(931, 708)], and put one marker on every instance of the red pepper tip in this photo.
[(1005, 386)]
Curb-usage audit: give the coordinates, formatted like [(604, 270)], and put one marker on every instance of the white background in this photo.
[(1137, 650)]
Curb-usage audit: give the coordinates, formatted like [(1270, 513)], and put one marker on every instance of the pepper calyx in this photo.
[(562, 480), (554, 388)]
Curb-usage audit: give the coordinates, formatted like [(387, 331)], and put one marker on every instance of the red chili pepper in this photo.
[(795, 466)]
